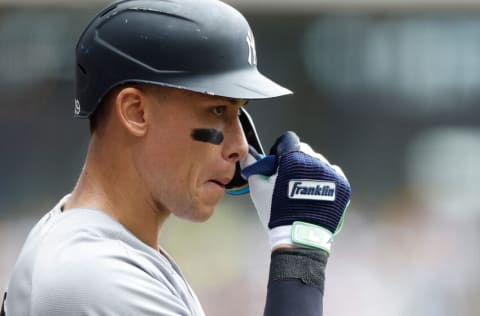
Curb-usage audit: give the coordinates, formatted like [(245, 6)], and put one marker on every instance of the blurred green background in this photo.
[(389, 90)]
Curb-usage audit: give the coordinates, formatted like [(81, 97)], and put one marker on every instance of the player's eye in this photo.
[(219, 110)]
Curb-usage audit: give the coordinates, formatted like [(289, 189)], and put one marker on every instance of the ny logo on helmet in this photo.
[(252, 53)]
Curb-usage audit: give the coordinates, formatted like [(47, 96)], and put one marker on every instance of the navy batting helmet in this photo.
[(204, 46)]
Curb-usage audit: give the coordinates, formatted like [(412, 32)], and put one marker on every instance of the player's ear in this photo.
[(130, 105)]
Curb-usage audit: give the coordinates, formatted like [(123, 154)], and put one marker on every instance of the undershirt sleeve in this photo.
[(296, 282)]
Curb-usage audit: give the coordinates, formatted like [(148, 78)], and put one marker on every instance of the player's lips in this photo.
[(222, 182)]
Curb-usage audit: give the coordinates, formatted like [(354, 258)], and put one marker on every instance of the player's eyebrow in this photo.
[(240, 102)]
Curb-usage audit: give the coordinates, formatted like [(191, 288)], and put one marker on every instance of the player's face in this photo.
[(192, 146)]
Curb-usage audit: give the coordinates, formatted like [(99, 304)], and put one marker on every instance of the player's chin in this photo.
[(204, 201), (203, 215), (205, 209), (199, 213)]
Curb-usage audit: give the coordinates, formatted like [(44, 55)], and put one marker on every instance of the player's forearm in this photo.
[(296, 282)]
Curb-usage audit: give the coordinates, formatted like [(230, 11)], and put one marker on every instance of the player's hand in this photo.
[(300, 197)]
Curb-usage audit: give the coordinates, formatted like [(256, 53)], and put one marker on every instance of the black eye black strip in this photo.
[(207, 135)]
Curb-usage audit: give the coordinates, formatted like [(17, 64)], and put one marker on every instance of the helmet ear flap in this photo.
[(81, 78), (239, 185), (81, 84)]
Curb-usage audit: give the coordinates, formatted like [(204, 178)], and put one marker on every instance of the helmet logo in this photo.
[(77, 107), (252, 53)]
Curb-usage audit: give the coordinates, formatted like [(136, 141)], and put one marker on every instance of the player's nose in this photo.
[(236, 146)]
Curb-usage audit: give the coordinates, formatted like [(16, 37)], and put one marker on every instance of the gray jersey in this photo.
[(83, 262)]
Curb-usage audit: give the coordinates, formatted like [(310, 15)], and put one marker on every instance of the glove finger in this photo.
[(305, 148), (266, 166), (339, 171), (286, 143)]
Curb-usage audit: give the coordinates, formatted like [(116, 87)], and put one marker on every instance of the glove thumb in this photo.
[(266, 166)]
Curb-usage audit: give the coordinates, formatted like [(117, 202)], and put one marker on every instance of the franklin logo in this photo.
[(311, 190), (252, 53)]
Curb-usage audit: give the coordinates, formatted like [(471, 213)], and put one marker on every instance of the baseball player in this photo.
[(164, 84)]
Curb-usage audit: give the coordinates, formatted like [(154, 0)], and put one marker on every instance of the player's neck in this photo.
[(110, 185)]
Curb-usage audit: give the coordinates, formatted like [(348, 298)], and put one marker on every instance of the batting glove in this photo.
[(300, 197)]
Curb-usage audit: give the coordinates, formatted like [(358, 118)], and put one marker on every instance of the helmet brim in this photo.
[(246, 84)]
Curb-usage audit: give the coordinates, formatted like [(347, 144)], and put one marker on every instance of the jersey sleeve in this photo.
[(296, 282), (102, 285)]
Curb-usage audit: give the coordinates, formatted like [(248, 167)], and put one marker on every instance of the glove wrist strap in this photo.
[(301, 234)]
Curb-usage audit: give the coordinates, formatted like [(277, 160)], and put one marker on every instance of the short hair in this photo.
[(99, 116)]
